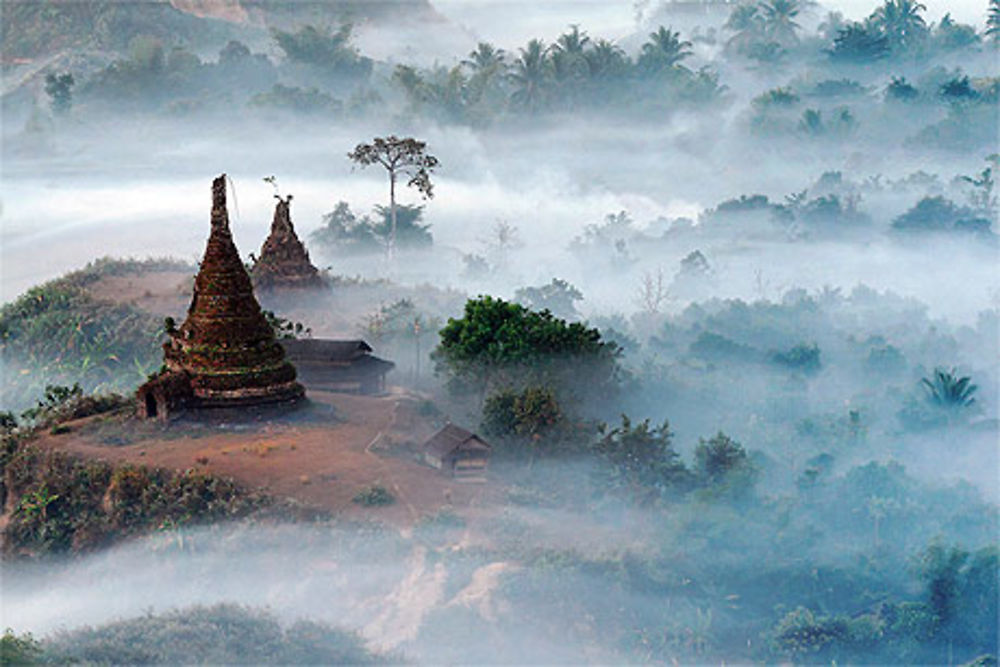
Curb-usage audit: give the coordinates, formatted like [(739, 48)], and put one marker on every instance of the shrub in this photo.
[(374, 496), (220, 634)]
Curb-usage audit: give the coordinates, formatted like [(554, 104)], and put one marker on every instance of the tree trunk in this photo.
[(392, 215)]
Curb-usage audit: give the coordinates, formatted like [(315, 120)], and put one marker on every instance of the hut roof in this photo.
[(321, 349), (452, 437)]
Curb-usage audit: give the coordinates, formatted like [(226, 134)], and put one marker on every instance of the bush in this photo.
[(64, 504), (19, 649), (374, 496), (220, 634), (803, 358)]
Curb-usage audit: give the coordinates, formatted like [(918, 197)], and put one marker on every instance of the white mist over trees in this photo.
[(719, 286)]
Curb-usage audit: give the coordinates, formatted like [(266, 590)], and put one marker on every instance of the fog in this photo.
[(787, 244)]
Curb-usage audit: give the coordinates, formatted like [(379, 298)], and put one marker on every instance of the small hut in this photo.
[(338, 365), (460, 453)]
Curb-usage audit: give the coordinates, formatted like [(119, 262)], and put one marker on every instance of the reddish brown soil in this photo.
[(322, 463)]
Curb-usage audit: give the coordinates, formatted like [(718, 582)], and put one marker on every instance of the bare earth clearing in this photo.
[(318, 459)]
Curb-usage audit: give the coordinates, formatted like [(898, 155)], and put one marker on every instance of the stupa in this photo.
[(225, 354), (284, 261)]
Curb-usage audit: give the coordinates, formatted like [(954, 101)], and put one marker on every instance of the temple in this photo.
[(284, 261), (225, 353)]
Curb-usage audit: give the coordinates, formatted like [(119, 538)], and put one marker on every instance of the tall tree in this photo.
[(399, 157), (485, 57), (488, 67), (532, 72), (747, 22), (501, 344), (779, 20), (606, 61), (663, 52), (993, 21), (59, 88), (901, 23), (569, 56)]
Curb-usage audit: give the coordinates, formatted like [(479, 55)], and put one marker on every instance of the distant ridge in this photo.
[(36, 28)]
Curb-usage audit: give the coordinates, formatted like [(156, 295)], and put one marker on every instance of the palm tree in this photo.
[(531, 74), (569, 61), (485, 58), (606, 60), (779, 20), (663, 52), (748, 24), (488, 65), (993, 21), (947, 390), (900, 22)]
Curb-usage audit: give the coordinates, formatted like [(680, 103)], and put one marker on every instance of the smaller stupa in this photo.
[(225, 354), (284, 261)]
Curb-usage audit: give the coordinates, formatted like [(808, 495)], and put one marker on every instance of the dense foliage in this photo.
[(219, 634), (497, 344), (59, 333)]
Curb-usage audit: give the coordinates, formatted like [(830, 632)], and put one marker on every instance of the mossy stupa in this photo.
[(284, 261), (225, 354)]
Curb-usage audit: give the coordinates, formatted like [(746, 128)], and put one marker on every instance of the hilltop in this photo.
[(38, 28)]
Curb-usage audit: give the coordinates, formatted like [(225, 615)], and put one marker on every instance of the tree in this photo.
[(993, 21), (531, 74), (945, 389), (900, 22), (722, 465), (606, 61), (663, 52), (59, 88), (642, 457), (488, 67), (559, 296), (318, 47), (748, 24), (569, 62), (531, 419), (858, 43), (499, 343), (19, 649), (399, 157), (779, 20), (485, 58), (982, 198)]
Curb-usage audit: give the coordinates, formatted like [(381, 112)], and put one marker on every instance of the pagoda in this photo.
[(284, 261), (225, 354)]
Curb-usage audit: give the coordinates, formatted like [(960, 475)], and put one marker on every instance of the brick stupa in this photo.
[(284, 261), (225, 354)]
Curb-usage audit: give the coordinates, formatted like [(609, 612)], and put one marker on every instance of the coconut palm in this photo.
[(779, 20), (663, 52), (747, 22), (606, 60), (993, 21), (531, 74), (947, 390), (900, 21), (569, 62), (485, 58)]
